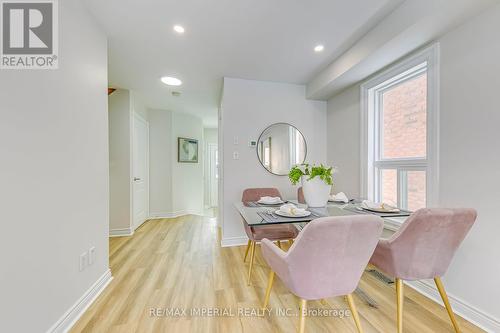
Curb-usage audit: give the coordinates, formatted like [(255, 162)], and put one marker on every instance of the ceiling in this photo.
[(270, 40)]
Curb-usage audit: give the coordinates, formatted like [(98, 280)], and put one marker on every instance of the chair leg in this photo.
[(325, 303), (354, 312), (279, 244), (302, 317), (446, 302), (246, 251), (399, 301), (252, 256), (268, 291)]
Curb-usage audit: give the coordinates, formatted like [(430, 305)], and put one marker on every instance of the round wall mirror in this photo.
[(280, 147)]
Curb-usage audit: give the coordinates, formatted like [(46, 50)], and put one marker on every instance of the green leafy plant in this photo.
[(324, 173)]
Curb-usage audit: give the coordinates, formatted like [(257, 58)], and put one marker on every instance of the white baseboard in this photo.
[(67, 321), (483, 320), (234, 241), (121, 232), (170, 215)]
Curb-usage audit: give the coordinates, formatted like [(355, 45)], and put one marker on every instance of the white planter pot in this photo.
[(316, 191)]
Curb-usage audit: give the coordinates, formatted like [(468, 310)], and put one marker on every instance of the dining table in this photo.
[(257, 214)]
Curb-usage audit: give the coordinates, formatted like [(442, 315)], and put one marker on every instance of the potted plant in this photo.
[(316, 181)]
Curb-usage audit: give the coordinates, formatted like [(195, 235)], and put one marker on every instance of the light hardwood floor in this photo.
[(178, 263)]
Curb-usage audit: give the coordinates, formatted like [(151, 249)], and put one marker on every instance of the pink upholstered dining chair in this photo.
[(422, 249), (300, 196), (326, 260), (278, 232)]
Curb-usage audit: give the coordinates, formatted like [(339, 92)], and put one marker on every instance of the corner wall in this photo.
[(120, 162), (54, 193), (175, 188), (248, 107)]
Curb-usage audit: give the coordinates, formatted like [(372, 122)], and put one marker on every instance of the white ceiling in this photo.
[(269, 40)]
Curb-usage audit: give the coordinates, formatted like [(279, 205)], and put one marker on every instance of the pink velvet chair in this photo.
[(300, 196), (422, 249), (278, 232), (326, 260)]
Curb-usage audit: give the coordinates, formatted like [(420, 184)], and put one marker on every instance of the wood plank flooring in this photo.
[(178, 263)]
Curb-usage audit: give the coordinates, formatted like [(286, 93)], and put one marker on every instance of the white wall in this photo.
[(123, 105), (470, 162), (161, 154), (469, 159), (138, 106), (175, 188), (343, 126), (187, 178), (248, 107), (120, 166), (54, 167)]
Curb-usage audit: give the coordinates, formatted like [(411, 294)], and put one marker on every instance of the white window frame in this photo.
[(370, 162)]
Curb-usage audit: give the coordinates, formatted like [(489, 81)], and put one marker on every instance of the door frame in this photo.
[(209, 178), (139, 118)]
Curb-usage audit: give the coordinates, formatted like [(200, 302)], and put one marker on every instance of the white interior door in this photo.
[(213, 173), (140, 155)]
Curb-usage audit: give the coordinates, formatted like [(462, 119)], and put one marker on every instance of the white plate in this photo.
[(339, 201), (280, 213), (381, 210), (271, 203)]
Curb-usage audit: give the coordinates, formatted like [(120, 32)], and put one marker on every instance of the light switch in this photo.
[(236, 155), (236, 141), (91, 255), (83, 261)]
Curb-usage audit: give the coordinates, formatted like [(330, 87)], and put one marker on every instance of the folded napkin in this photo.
[(378, 206), (291, 209), (339, 197), (270, 200)]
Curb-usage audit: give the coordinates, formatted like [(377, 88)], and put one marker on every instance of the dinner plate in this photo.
[(280, 213), (337, 201), (381, 210), (271, 203)]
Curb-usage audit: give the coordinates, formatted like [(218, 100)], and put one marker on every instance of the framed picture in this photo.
[(187, 150)]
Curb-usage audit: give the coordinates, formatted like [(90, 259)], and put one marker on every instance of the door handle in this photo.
[(136, 179)]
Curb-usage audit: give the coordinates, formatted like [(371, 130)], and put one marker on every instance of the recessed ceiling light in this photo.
[(179, 29), (319, 48), (171, 81)]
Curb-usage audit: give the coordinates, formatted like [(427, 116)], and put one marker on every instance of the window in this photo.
[(399, 145)]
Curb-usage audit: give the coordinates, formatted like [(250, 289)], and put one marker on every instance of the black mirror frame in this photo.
[(260, 136)]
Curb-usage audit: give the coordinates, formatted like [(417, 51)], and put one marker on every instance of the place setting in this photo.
[(266, 202), (379, 208), (288, 212)]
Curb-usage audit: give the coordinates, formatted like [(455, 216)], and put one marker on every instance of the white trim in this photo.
[(66, 322), (169, 215), (429, 54), (137, 226), (121, 232), (477, 317), (234, 241), (392, 224)]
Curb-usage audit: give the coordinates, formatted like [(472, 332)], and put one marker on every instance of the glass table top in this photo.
[(261, 215)]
